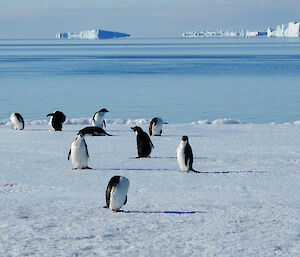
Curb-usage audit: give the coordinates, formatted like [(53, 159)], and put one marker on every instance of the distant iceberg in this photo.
[(91, 34), (291, 30)]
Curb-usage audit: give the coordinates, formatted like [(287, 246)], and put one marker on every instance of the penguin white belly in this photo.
[(118, 194), (15, 123), (156, 129), (181, 157), (98, 120), (79, 155)]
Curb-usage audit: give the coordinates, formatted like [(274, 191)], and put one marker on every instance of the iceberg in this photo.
[(291, 30), (91, 34)]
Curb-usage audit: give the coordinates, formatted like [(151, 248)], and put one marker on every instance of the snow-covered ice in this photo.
[(245, 203)]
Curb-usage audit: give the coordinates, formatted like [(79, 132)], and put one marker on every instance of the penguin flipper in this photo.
[(189, 156), (87, 152), (150, 140), (104, 123), (125, 200), (20, 118), (69, 154)]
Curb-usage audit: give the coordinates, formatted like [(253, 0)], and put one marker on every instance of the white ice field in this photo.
[(245, 203)]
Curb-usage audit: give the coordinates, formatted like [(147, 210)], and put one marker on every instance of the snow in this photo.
[(245, 203)]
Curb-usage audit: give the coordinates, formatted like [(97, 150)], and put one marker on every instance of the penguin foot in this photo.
[(105, 207), (75, 169), (117, 211), (87, 168), (196, 171)]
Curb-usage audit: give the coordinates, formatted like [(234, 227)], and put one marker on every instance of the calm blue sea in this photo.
[(181, 80)]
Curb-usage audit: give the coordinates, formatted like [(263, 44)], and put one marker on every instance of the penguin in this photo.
[(79, 153), (17, 121), (57, 119), (155, 127), (144, 143), (98, 118), (94, 131), (185, 155), (116, 193)]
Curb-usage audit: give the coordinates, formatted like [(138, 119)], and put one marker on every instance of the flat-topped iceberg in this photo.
[(91, 34), (291, 30)]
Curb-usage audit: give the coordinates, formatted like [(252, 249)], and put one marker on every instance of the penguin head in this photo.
[(137, 129), (185, 139), (103, 110), (80, 134)]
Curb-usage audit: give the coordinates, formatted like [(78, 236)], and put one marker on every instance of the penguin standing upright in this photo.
[(98, 118), (144, 143), (57, 119), (116, 193), (155, 127), (79, 153), (17, 121), (185, 155)]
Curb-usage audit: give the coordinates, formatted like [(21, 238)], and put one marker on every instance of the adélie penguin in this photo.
[(17, 121), (94, 131), (98, 118), (116, 193), (56, 120), (155, 127), (185, 155), (79, 153), (144, 143)]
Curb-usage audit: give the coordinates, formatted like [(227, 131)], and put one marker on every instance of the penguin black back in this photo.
[(152, 123), (94, 131), (189, 158), (144, 143), (111, 184), (58, 118)]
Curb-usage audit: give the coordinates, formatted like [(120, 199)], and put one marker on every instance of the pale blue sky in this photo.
[(151, 18)]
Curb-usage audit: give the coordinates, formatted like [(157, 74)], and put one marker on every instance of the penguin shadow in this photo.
[(134, 169), (179, 136), (165, 212), (46, 129), (232, 172), (173, 157)]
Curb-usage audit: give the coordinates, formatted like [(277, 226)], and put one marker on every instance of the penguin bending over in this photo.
[(57, 119), (98, 118), (185, 155), (155, 127), (17, 121), (94, 131), (144, 143), (79, 153), (116, 193)]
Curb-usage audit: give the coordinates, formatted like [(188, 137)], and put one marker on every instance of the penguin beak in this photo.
[(50, 114)]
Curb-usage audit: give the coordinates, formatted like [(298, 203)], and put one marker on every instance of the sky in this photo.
[(151, 18)]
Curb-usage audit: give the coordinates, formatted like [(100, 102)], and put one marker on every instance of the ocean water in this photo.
[(181, 80)]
